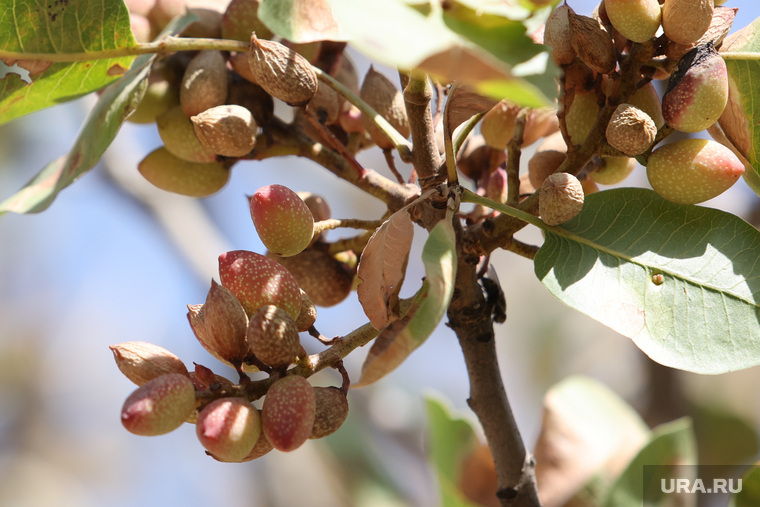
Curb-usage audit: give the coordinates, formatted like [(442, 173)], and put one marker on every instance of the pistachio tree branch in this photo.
[(334, 223), (282, 139), (169, 44), (417, 95), (399, 142)]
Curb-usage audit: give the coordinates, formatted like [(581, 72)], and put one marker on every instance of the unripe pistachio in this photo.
[(204, 84), (284, 222), (592, 43), (387, 101), (282, 72), (476, 159), (142, 361), (160, 96), (560, 198), (636, 20), (331, 411), (691, 171), (557, 35), (177, 133), (497, 188), (207, 26), (581, 116), (610, 170), (697, 91), (194, 179), (258, 281), (260, 448), (220, 325), (227, 130), (229, 428), (685, 21), (273, 337), (288, 412), (720, 25), (630, 130), (159, 406)]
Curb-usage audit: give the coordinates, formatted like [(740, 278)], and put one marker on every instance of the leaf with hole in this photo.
[(682, 281)]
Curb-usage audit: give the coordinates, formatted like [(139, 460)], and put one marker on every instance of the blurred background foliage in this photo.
[(115, 260)]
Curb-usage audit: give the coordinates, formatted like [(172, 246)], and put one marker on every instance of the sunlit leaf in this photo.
[(300, 21), (682, 281), (382, 267), (462, 45), (394, 343), (588, 435), (116, 103), (672, 444), (450, 439), (63, 28)]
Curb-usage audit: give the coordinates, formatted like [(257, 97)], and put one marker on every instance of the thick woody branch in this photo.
[(470, 317)]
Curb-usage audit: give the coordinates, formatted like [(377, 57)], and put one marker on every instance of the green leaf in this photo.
[(460, 44), (116, 103), (672, 443), (300, 21), (749, 496), (450, 440), (63, 27), (401, 337), (682, 281)]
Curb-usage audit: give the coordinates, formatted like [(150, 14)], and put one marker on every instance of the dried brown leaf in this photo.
[(382, 267)]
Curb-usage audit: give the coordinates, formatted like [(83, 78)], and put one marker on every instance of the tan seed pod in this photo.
[(630, 130), (592, 43), (331, 411), (282, 72), (557, 35), (208, 25), (325, 105), (177, 132), (142, 361), (685, 21), (720, 25), (540, 123), (560, 198), (273, 337), (542, 164), (383, 96), (308, 315), (326, 280), (498, 125), (228, 130), (204, 84)]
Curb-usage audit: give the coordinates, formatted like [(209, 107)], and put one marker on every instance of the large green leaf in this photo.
[(116, 103), (672, 444), (401, 337), (682, 281), (61, 27), (300, 21), (487, 50), (450, 440)]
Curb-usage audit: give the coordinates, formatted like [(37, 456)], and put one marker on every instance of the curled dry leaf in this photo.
[(463, 103), (382, 267)]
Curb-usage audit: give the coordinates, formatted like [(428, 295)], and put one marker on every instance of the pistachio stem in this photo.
[(334, 223), (399, 142)]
